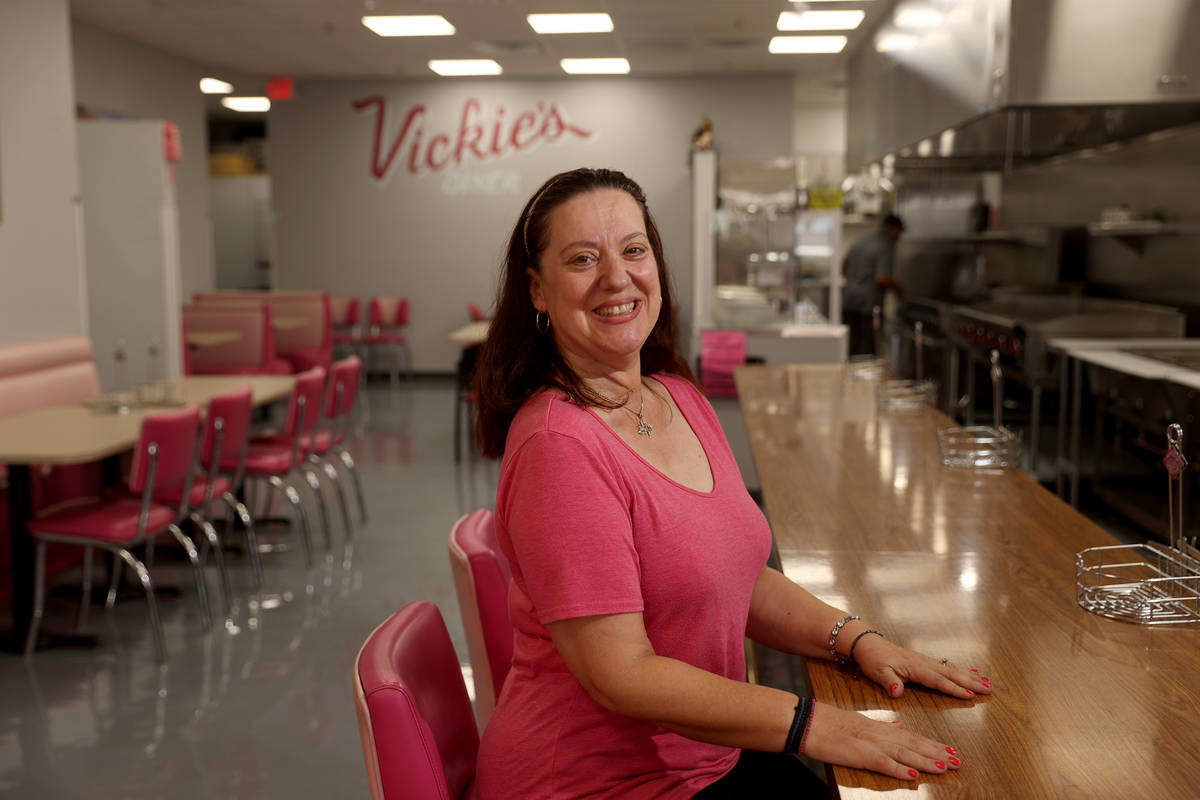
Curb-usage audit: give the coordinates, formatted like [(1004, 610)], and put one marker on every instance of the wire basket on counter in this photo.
[(1150, 584), (909, 395), (983, 446)]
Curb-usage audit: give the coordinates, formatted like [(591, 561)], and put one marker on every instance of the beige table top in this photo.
[(202, 339), (75, 433), (977, 566), (287, 322), (472, 333)]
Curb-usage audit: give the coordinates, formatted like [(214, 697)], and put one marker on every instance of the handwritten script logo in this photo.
[(480, 137)]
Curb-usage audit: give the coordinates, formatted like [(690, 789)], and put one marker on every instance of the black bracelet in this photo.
[(854, 644), (799, 723)]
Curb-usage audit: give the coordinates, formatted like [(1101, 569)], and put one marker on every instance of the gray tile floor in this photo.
[(260, 707)]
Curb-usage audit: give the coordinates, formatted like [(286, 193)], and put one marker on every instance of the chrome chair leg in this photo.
[(314, 483), (293, 497), (210, 535), (194, 557), (114, 581), (160, 649), (332, 474), (348, 460), (237, 507), (39, 592)]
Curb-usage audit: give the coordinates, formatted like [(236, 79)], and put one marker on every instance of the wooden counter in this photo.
[(977, 566)]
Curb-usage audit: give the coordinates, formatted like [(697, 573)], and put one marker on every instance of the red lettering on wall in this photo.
[(437, 150)]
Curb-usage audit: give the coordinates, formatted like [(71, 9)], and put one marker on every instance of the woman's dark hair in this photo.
[(516, 361)]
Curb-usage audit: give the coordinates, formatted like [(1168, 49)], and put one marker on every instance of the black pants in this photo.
[(766, 775), (862, 332)]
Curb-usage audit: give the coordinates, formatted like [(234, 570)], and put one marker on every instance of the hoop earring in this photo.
[(537, 322)]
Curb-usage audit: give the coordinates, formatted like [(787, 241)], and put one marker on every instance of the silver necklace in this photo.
[(644, 428)]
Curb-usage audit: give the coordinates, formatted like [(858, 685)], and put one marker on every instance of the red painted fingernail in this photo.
[(912, 773), (895, 722), (951, 751), (974, 670), (895, 687), (940, 764), (955, 761), (969, 692)]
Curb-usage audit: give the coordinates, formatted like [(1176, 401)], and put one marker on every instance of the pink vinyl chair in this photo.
[(347, 325), (720, 353), (475, 313), (278, 459), (165, 457), (414, 716), (223, 449), (387, 317), (481, 579)]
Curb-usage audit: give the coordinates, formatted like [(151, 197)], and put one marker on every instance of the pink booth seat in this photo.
[(481, 579), (253, 353), (414, 716), (57, 371)]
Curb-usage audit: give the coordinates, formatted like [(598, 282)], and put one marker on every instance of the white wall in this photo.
[(119, 75), (41, 279), (242, 230), (438, 236)]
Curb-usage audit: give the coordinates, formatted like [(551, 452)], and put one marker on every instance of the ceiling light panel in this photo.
[(215, 86), (806, 44), (453, 67), (410, 25), (819, 20), (595, 66), (246, 104), (918, 16), (570, 23)]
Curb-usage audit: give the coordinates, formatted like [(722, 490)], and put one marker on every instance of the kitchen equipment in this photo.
[(909, 395), (983, 445), (1149, 583)]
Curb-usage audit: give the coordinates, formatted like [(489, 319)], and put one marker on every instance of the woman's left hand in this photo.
[(891, 666)]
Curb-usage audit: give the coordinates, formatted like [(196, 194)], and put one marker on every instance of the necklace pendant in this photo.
[(644, 428)]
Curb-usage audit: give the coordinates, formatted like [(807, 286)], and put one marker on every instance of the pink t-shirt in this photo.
[(591, 528)]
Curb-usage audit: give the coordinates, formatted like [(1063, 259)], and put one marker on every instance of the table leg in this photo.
[(20, 509), (1035, 424), (1076, 424), (1064, 395), (970, 389)]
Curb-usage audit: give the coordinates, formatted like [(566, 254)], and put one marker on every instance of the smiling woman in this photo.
[(638, 558)]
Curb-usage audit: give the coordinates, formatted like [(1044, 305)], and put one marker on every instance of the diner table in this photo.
[(977, 566), (471, 334), (198, 340), (74, 434), (288, 322)]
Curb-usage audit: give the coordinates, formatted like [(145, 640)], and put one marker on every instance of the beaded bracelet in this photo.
[(854, 644), (837, 628), (807, 724)]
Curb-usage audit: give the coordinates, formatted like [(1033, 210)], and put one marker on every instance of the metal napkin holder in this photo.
[(983, 446), (1147, 583), (909, 395)]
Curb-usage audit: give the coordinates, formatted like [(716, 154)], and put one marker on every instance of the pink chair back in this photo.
[(173, 433), (343, 387), (414, 716), (474, 312), (309, 386), (233, 410), (481, 579), (720, 352), (388, 312), (346, 311)]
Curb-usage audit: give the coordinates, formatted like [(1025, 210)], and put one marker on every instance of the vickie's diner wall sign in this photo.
[(483, 136)]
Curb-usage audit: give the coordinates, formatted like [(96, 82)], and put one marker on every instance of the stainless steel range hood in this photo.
[(1001, 83)]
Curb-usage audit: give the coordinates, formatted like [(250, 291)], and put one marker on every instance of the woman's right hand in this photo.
[(849, 739)]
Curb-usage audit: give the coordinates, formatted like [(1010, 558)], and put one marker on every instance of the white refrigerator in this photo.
[(131, 247)]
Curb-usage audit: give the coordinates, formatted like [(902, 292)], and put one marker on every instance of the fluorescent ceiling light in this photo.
[(819, 20), (917, 16), (807, 44), (894, 42), (465, 66), (410, 25), (246, 103), (595, 66), (214, 86), (570, 23)]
